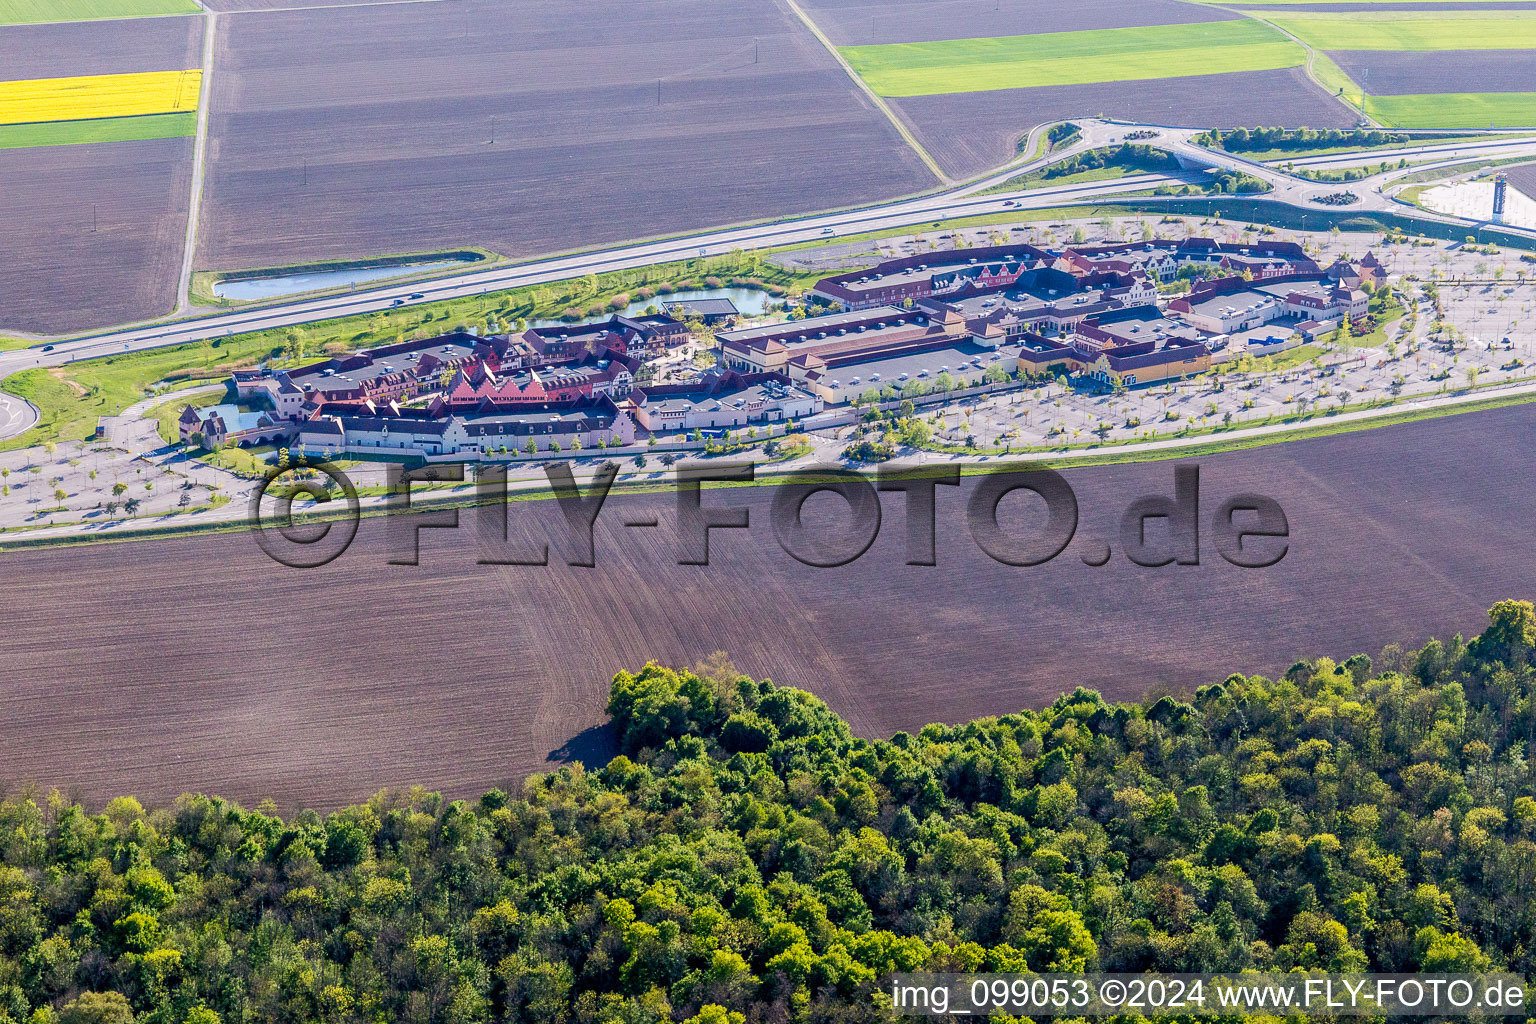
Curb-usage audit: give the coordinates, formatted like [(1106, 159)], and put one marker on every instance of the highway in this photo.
[(961, 201)]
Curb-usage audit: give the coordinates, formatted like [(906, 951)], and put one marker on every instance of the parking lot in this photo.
[(1479, 335)]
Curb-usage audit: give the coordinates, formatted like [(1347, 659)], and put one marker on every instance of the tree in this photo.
[(1047, 931), (97, 1008), (1511, 633), (119, 489)]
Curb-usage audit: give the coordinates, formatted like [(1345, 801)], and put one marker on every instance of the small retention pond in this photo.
[(247, 288)]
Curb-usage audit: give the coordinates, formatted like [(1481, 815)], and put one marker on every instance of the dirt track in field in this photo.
[(352, 131), (160, 667)]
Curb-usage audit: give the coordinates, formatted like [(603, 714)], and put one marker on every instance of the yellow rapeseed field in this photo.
[(93, 96)]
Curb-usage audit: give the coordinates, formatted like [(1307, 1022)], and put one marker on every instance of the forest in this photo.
[(747, 858)]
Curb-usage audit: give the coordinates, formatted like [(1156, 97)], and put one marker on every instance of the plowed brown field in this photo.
[(154, 668)]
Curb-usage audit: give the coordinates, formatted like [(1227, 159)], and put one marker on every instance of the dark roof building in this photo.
[(711, 311)]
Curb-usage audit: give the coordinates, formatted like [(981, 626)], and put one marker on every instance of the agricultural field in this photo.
[(461, 675), (356, 131), (1411, 30), (1423, 66), (1455, 110), (92, 233), (23, 12), (1523, 178), (969, 133), (89, 97), (110, 129), (88, 82), (1423, 73), (1120, 62), (237, 6), (1423, 89), (862, 22), (1072, 58), (99, 48)]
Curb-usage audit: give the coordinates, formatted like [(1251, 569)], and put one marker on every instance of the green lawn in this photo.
[(1091, 174), (1117, 164), (1456, 109), (1072, 58), (1283, 361), (1411, 30), (23, 12), (104, 129)]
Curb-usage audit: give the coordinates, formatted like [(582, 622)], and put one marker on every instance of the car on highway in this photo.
[(47, 348), (826, 231), (417, 295)]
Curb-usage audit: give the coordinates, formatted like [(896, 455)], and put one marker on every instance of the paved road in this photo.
[(1304, 194), (16, 415), (1433, 154), (961, 201)]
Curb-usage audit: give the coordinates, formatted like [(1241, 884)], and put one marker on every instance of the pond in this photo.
[(294, 284)]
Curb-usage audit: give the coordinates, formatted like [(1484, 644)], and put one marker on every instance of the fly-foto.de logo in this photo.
[(1178, 527)]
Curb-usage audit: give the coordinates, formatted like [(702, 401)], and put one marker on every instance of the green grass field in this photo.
[(25, 12), (1455, 110), (1411, 30), (1072, 58), (106, 129)]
